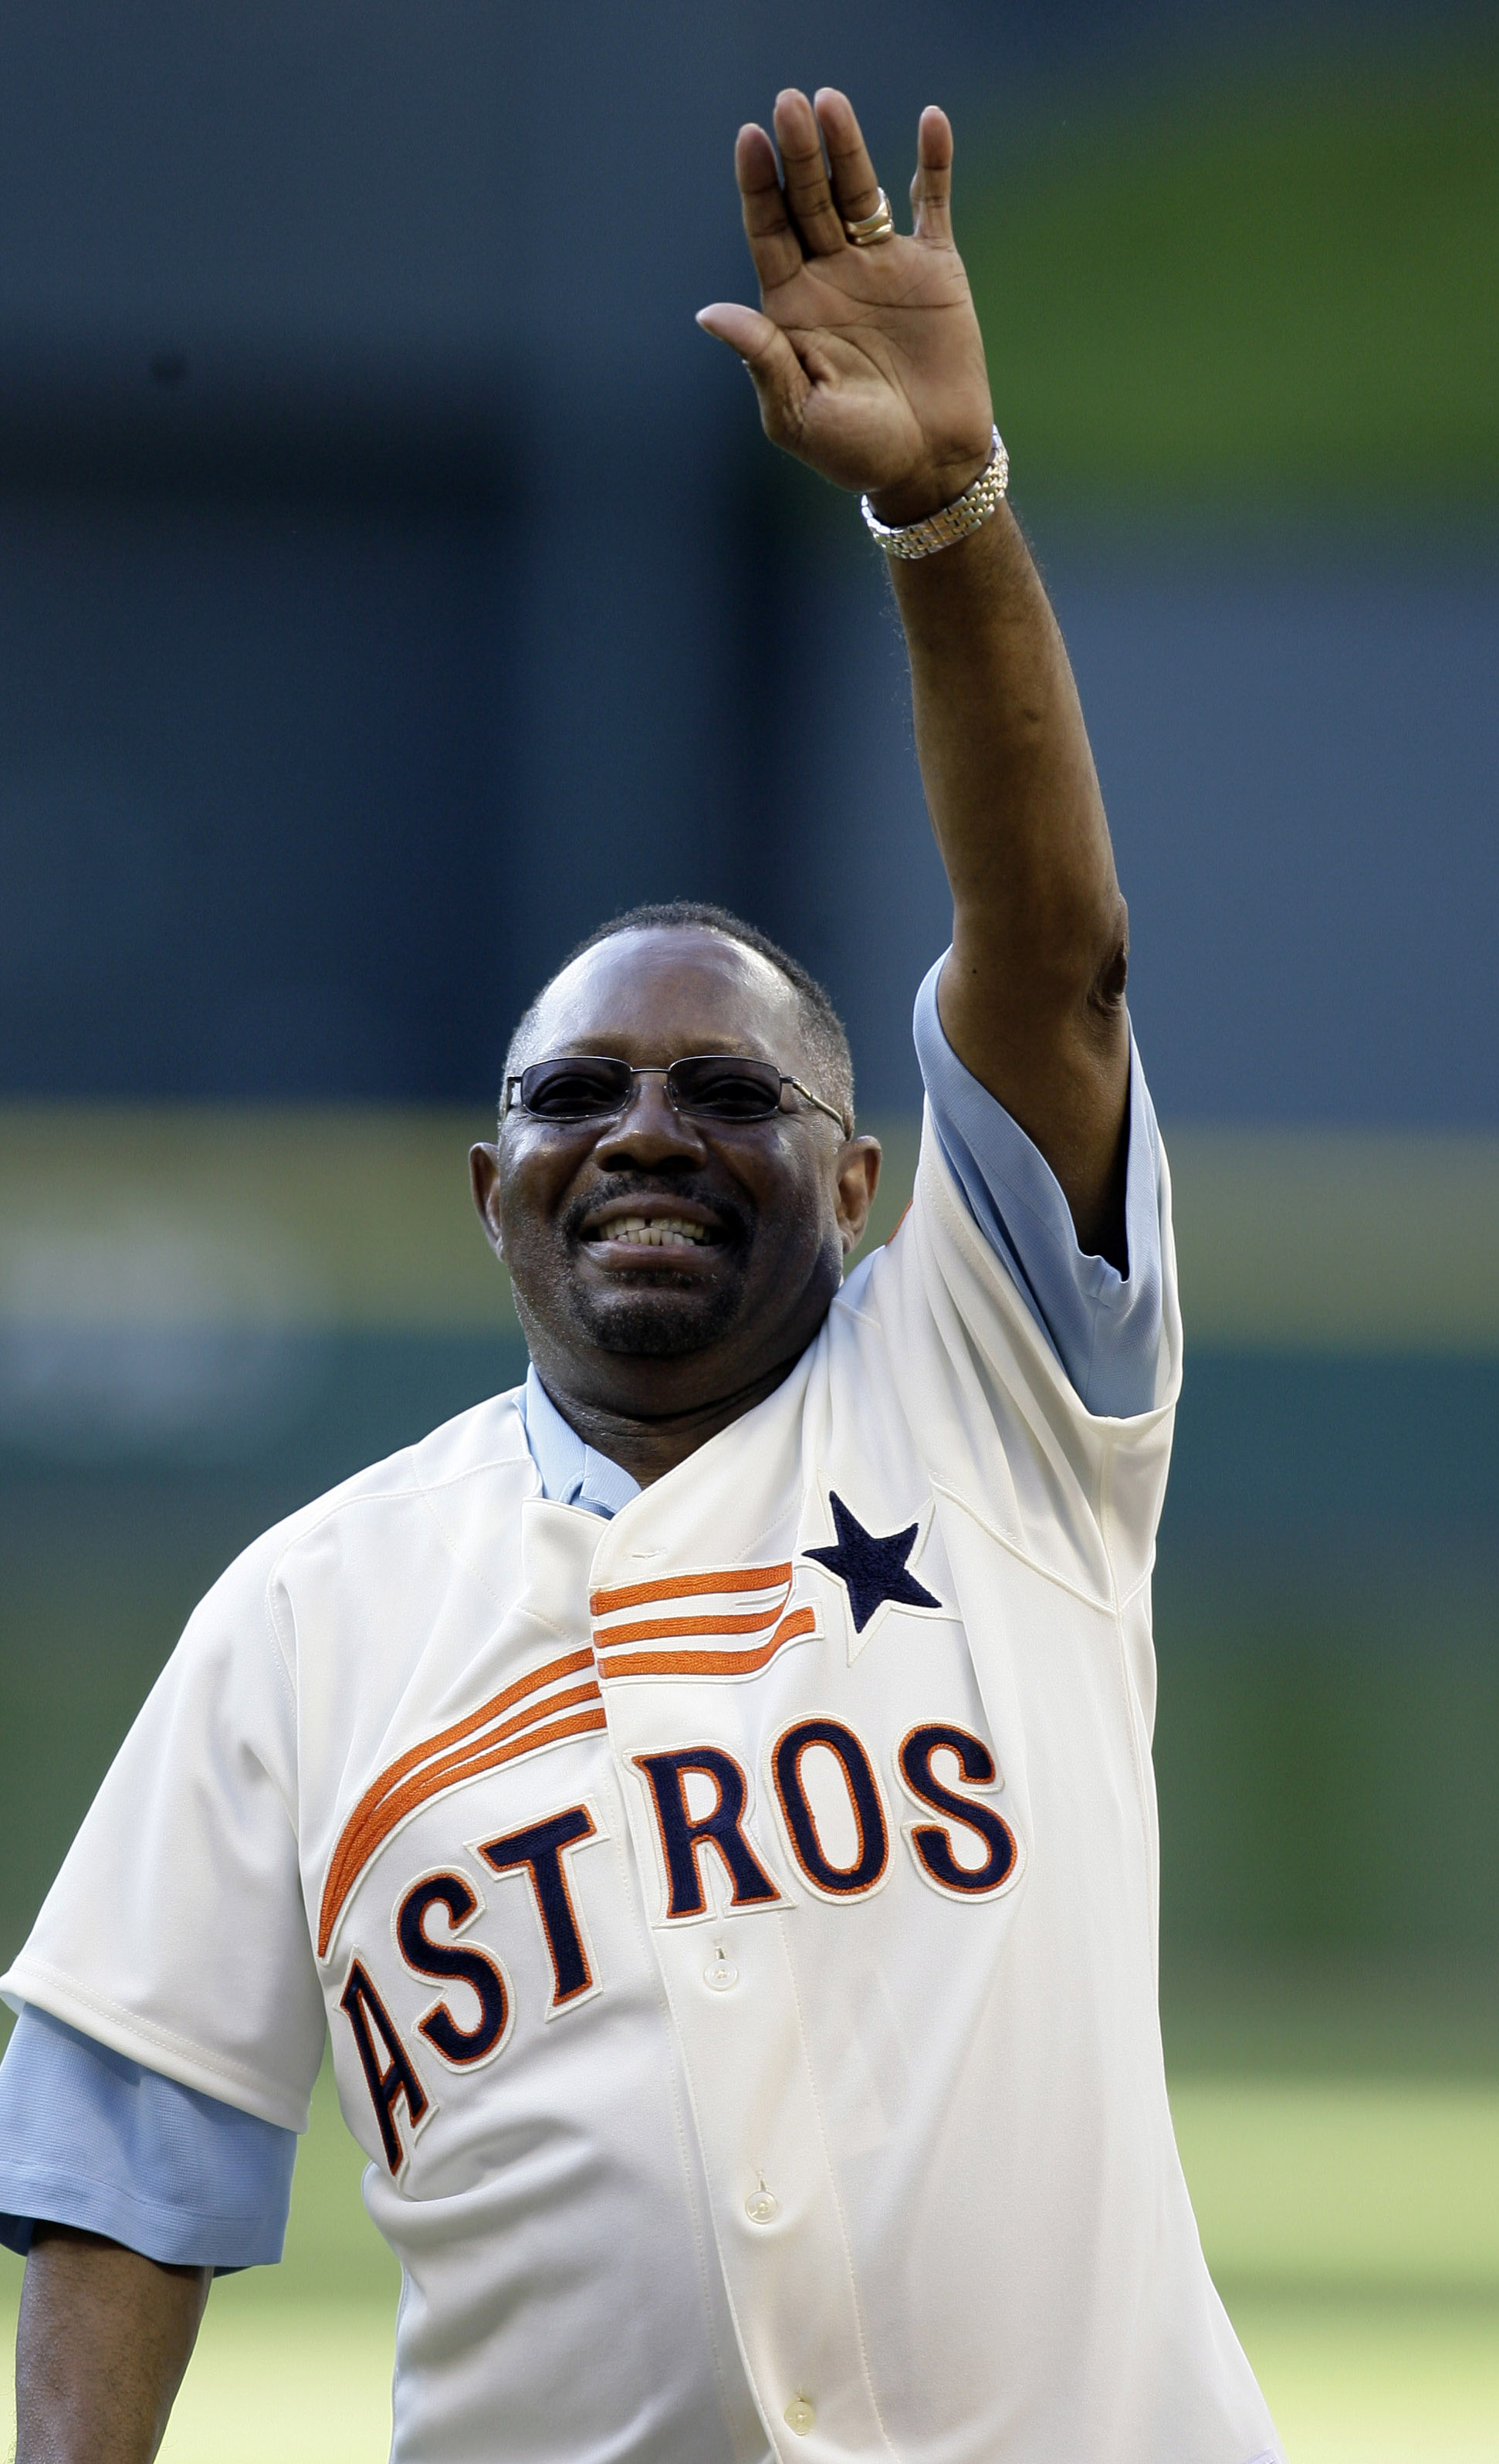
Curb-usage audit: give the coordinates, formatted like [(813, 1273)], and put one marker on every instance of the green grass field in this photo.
[(1352, 2224)]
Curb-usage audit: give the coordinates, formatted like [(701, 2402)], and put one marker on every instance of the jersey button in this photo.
[(762, 2207), (800, 2415), (721, 1974)]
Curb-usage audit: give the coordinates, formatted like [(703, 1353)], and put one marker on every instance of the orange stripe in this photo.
[(662, 1629), (709, 1663), (568, 1666), (455, 1765), (366, 1826), (352, 1851), (354, 1848), (686, 1587), (425, 1784)]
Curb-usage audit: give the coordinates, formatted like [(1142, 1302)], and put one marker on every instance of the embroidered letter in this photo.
[(398, 2081), (867, 1868), (539, 1848), (460, 2046), (932, 1845), (683, 1835)]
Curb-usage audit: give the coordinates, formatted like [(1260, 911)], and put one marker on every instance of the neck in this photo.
[(646, 1444)]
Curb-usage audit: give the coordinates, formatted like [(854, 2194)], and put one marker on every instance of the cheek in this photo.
[(798, 1214), (530, 1191)]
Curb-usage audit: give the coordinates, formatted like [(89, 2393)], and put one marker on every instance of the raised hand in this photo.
[(867, 362)]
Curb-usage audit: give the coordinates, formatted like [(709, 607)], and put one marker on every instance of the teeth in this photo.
[(660, 1232)]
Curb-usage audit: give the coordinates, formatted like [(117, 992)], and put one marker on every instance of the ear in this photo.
[(484, 1181), (858, 1173)]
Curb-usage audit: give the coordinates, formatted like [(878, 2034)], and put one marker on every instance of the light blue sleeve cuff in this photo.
[(90, 2139), (1105, 1328)]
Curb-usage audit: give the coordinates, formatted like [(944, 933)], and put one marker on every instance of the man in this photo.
[(707, 1794)]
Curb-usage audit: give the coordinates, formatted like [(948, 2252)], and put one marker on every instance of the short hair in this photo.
[(824, 1031)]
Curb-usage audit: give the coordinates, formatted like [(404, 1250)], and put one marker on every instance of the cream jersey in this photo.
[(736, 1922)]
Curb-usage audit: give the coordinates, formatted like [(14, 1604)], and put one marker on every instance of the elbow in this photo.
[(1107, 987)]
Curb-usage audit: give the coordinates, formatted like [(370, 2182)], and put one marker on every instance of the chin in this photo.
[(656, 1325)]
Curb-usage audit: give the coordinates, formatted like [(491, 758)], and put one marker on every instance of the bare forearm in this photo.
[(1032, 998), (103, 2340), (869, 368), (1005, 756)]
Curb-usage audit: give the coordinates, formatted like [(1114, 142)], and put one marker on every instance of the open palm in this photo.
[(867, 362)]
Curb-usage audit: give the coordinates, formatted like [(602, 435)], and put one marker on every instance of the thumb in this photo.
[(779, 380)]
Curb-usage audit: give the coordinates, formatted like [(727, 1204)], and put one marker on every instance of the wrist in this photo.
[(956, 518), (928, 490)]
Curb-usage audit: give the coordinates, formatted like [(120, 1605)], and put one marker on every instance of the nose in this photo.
[(651, 1132)]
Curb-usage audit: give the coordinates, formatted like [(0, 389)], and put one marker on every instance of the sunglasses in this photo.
[(713, 1085)]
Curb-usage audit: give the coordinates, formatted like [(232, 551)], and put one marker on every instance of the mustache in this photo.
[(735, 1216)]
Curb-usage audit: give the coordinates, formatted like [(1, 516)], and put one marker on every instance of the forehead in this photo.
[(657, 994)]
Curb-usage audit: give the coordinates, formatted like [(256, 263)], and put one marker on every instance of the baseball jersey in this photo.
[(735, 1920), (92, 2139)]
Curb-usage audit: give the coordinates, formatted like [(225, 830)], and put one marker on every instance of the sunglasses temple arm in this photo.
[(847, 1126)]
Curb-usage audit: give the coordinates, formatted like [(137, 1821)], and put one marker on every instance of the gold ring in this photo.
[(874, 227)]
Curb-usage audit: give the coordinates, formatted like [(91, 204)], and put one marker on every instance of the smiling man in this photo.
[(706, 1794), (675, 1229)]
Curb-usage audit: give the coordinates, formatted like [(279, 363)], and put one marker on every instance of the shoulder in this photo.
[(938, 1272), (488, 1438), (937, 1319), (936, 1258), (364, 1524)]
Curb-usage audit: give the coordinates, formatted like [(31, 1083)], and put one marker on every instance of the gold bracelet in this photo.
[(966, 513)]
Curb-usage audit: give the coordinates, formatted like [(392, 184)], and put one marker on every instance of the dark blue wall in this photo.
[(392, 581)]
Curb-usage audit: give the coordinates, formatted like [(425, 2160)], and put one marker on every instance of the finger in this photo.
[(856, 192), (932, 188), (808, 194), (773, 244), (781, 382)]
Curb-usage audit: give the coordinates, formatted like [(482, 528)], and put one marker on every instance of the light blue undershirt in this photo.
[(95, 2139), (1104, 1327)]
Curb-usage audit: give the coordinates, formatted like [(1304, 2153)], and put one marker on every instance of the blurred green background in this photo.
[(1269, 290), (1234, 298)]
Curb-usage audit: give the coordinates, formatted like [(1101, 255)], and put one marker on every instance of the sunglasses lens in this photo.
[(726, 1089), (589, 1087), (574, 1090)]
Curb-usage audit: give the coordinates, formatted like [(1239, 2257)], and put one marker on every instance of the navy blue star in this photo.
[(873, 1570)]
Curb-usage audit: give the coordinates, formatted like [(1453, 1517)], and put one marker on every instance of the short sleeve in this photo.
[(1001, 1426), (176, 1931)]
